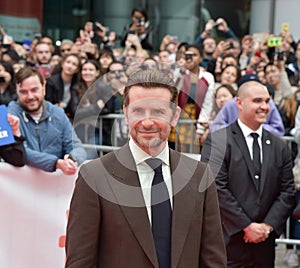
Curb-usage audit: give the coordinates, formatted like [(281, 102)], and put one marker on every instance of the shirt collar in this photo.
[(140, 156), (247, 131)]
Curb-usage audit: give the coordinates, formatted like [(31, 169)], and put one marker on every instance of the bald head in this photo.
[(246, 87), (253, 104)]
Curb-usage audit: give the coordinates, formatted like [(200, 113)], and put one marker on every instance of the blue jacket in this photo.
[(229, 113), (49, 139)]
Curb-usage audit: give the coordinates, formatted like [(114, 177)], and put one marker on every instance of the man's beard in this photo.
[(33, 110), (152, 143)]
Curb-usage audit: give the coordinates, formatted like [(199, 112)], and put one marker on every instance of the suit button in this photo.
[(256, 177)]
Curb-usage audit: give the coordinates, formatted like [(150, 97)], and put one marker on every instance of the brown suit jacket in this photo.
[(108, 224)]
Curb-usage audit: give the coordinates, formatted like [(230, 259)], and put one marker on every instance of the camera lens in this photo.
[(189, 55)]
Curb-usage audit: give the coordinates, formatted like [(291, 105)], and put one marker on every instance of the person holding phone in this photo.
[(139, 26), (277, 77)]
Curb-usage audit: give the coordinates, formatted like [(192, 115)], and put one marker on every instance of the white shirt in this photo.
[(146, 173), (207, 104), (249, 139)]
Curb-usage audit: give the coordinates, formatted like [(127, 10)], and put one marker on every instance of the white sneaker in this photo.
[(291, 258)]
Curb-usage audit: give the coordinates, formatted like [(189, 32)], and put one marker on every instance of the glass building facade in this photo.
[(185, 19), (63, 19)]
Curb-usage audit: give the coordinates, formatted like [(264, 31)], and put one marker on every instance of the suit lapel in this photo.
[(126, 188), (240, 141), (267, 154), (183, 203), (124, 174)]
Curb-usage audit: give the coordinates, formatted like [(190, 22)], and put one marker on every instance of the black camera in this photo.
[(95, 28), (118, 37), (280, 55), (5, 46), (140, 21), (132, 32), (189, 55), (231, 46)]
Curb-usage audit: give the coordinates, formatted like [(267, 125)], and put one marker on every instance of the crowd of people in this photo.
[(49, 88)]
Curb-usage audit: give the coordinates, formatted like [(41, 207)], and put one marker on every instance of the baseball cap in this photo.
[(246, 78)]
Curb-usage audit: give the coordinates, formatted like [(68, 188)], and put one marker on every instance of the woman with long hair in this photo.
[(96, 99), (62, 87)]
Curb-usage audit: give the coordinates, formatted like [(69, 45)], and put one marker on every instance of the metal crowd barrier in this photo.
[(118, 124)]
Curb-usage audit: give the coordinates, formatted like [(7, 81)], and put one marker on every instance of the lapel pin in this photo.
[(268, 142)]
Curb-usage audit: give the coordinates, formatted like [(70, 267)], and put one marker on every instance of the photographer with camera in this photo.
[(195, 100), (229, 44), (141, 27), (277, 77), (216, 28), (95, 32)]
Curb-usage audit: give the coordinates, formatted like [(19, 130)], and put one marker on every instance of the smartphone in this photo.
[(6, 46), (174, 39), (96, 28), (274, 42), (280, 55), (216, 24), (38, 36), (285, 27)]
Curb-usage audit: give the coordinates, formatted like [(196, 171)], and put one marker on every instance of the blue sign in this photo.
[(6, 134)]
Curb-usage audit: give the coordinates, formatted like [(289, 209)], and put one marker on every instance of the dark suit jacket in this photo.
[(240, 200), (108, 224)]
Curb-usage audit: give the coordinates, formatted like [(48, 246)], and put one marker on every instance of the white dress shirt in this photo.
[(146, 173), (249, 139)]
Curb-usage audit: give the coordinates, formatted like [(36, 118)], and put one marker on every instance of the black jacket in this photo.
[(14, 153), (55, 93)]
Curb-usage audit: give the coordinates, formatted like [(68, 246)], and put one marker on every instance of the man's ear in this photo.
[(125, 114), (44, 89), (238, 103), (176, 116)]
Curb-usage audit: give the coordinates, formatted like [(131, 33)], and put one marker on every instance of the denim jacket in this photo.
[(49, 139)]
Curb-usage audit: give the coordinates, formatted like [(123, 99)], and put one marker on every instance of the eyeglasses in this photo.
[(66, 49), (116, 74)]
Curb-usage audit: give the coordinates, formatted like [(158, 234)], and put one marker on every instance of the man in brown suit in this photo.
[(114, 221)]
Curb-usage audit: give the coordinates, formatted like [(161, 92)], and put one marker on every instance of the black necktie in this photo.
[(256, 155), (161, 214)]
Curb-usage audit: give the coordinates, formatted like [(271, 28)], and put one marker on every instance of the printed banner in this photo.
[(34, 208), (6, 134)]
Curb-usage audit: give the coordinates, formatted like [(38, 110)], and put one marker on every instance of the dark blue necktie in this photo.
[(161, 214), (256, 158), (256, 153)]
